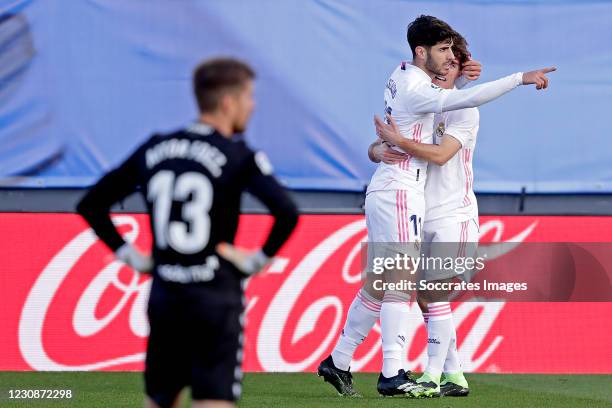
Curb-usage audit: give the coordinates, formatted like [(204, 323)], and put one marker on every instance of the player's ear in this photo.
[(420, 52), (226, 102)]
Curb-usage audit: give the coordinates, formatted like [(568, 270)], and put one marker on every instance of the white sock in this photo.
[(362, 315), (452, 365), (439, 331), (394, 318)]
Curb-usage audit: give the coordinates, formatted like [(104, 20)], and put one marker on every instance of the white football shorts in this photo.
[(448, 250), (394, 219)]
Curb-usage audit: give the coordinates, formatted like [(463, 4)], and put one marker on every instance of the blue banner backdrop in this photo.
[(83, 82)]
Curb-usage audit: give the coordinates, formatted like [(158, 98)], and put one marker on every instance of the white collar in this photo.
[(419, 71)]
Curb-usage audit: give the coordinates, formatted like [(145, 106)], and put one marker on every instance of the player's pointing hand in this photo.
[(538, 77)]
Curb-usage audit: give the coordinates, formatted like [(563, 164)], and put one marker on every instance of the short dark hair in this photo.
[(460, 49), (427, 31), (215, 77)]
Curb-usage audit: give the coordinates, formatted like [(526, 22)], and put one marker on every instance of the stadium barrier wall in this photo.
[(68, 305)]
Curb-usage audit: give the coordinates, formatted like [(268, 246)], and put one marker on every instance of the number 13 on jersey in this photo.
[(190, 235)]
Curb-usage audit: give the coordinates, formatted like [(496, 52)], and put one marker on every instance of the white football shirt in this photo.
[(409, 99), (449, 194), (412, 99)]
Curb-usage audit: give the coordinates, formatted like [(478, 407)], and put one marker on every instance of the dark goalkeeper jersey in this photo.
[(192, 181)]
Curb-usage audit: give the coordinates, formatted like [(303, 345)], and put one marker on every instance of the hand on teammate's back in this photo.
[(248, 263), (389, 131), (538, 77), (382, 152)]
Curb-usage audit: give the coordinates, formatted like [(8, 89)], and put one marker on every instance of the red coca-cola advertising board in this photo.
[(67, 304)]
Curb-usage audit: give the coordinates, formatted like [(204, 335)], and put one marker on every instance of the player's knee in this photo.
[(369, 288)]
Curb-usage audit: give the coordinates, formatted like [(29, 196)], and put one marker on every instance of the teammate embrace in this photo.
[(421, 192)]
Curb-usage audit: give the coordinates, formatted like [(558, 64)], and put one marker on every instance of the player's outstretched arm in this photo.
[(432, 99), (438, 154)]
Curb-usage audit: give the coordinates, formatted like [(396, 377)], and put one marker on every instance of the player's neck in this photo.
[(219, 123), (421, 64)]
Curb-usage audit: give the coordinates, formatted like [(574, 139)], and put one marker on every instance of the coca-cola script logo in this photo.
[(296, 309), (85, 321)]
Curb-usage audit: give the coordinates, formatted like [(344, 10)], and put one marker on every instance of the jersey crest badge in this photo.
[(440, 129)]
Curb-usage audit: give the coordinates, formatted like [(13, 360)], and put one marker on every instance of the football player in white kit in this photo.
[(451, 225), (395, 200)]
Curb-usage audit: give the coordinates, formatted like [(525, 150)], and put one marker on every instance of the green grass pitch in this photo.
[(307, 390)]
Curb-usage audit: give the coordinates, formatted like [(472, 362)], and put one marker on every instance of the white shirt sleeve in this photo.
[(430, 98), (463, 125)]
